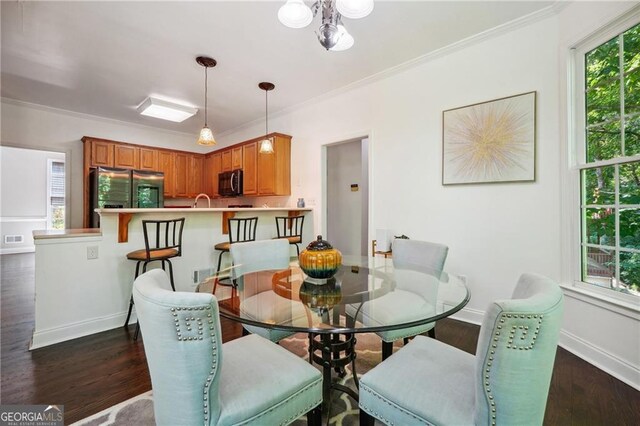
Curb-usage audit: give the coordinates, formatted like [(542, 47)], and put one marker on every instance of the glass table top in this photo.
[(365, 295)]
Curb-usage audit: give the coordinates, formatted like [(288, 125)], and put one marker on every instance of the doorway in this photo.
[(347, 196)]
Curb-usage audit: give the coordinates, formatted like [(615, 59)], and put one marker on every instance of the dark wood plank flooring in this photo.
[(90, 374)]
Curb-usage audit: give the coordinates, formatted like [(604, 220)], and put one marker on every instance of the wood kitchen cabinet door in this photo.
[(166, 165), (148, 159), (216, 168), (101, 154), (274, 170), (236, 158), (250, 168), (196, 164), (226, 160), (126, 156), (182, 175)]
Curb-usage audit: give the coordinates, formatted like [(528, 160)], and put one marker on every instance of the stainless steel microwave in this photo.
[(230, 183)]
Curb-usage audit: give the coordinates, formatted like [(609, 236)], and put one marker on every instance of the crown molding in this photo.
[(86, 116), (507, 27)]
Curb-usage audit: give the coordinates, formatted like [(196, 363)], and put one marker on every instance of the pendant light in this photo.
[(206, 135), (266, 144)]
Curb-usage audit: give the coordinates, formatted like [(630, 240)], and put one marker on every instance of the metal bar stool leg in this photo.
[(126, 323), (173, 287), (215, 282)]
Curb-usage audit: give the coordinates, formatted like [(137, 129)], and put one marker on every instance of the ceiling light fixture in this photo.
[(266, 144), (332, 34), (165, 110), (206, 135)]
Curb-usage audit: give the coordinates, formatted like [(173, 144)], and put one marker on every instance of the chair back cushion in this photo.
[(516, 352), (183, 345), (259, 256), (419, 255)]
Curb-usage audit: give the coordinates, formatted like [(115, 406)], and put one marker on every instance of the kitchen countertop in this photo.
[(66, 233), (204, 210)]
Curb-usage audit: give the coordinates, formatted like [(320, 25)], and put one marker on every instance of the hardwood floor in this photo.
[(90, 374)]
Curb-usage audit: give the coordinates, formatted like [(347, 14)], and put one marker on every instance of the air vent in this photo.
[(13, 239)]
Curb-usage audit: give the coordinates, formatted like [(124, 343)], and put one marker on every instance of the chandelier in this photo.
[(206, 135), (332, 34)]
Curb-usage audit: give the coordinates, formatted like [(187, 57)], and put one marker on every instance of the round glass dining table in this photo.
[(365, 295)]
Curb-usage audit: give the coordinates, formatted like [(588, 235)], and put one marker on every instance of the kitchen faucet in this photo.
[(195, 203)]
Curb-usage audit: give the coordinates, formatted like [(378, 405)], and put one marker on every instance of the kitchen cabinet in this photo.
[(250, 169), (236, 158), (226, 160), (101, 153), (274, 170), (181, 166), (216, 162), (148, 159), (126, 156), (194, 174), (166, 165)]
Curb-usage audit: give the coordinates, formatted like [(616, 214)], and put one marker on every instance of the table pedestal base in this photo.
[(335, 352)]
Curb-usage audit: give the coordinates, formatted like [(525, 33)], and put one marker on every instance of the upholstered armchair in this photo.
[(408, 255), (197, 380), (261, 256), (505, 383)]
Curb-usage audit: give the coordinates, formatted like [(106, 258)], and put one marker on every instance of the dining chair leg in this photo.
[(135, 335), (366, 419), (173, 286), (245, 332), (405, 341), (314, 417), (387, 349), (126, 322), (432, 333)]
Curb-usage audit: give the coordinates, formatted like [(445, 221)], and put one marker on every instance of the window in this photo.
[(55, 201), (608, 120)]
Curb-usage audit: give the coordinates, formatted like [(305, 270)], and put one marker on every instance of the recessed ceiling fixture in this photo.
[(266, 144), (206, 135), (332, 34), (165, 110)]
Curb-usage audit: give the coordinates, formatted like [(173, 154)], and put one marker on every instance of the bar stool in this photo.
[(290, 228), (240, 230), (162, 241)]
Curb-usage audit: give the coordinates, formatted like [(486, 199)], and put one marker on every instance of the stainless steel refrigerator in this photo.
[(123, 188)]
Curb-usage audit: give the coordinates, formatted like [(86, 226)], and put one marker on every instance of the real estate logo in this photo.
[(31, 415)]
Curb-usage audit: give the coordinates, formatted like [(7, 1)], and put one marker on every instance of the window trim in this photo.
[(577, 155)]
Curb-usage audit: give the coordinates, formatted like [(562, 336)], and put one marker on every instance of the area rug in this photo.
[(343, 410)]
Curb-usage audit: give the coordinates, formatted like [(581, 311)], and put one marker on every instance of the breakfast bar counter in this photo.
[(83, 278)]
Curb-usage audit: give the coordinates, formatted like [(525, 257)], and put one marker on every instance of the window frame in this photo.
[(578, 157)]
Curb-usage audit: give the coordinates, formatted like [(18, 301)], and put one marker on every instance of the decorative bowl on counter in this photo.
[(320, 260)]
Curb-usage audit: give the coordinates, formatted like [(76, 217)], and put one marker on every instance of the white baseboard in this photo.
[(598, 357), (472, 316), (51, 336), (17, 250)]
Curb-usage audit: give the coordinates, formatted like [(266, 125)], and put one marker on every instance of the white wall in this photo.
[(494, 232), (23, 171), (33, 126)]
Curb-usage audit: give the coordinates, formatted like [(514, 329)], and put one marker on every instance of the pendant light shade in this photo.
[(295, 14), (345, 40), (206, 135), (354, 9), (266, 144)]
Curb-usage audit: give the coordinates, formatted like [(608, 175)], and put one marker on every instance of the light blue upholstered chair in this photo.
[(261, 256), (197, 380), (505, 383)]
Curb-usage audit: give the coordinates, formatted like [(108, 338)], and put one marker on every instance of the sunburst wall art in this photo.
[(491, 141)]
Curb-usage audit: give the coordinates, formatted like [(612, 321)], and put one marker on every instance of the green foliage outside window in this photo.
[(612, 108)]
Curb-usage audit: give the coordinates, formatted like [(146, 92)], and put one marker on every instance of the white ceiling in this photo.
[(105, 58)]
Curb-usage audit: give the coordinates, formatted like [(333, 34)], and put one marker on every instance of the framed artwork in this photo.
[(490, 142)]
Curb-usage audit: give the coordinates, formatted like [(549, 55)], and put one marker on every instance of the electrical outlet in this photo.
[(92, 252), (311, 202)]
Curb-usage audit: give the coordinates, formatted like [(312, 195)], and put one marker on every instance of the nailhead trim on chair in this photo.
[(386, 401), (536, 320), (188, 318)]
